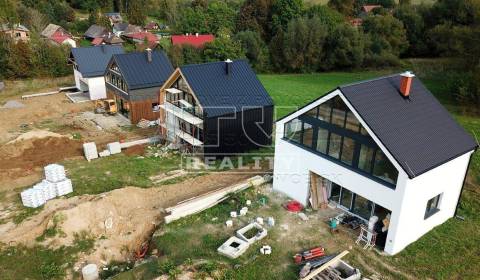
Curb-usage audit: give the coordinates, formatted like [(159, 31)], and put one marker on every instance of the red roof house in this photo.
[(139, 37), (369, 8), (195, 40)]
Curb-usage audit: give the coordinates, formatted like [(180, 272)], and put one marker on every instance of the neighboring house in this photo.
[(356, 22), (114, 18), (89, 64), (142, 37), (367, 9), (109, 39), (383, 147), (134, 80), (17, 32), (125, 28), (95, 31), (152, 26), (216, 108), (58, 35), (195, 40)]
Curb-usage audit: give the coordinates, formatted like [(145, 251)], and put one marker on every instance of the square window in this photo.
[(432, 206), (307, 134), (322, 140)]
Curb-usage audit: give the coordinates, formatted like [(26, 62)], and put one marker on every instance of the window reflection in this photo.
[(347, 150), (335, 144), (307, 135), (366, 158), (322, 140), (293, 130), (383, 168)]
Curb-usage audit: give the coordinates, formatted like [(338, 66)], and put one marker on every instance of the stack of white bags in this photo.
[(55, 184)]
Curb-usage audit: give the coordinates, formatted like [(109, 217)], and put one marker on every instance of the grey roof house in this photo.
[(134, 80), (385, 151), (216, 108), (95, 31), (89, 64)]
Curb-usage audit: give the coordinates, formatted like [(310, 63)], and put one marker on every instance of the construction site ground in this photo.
[(200, 236)]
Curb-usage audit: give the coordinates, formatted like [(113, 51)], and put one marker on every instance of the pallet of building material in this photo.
[(64, 187), (55, 173), (205, 201), (32, 198), (47, 188), (114, 148), (90, 151)]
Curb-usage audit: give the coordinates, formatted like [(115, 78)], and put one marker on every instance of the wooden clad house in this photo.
[(134, 79)]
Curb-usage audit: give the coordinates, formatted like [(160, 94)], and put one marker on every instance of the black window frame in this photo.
[(429, 210), (358, 138)]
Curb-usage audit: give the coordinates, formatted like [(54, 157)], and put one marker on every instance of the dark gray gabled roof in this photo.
[(95, 31), (220, 93), (92, 61), (418, 131), (139, 73)]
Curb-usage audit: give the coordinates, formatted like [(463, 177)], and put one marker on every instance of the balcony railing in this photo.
[(182, 114)]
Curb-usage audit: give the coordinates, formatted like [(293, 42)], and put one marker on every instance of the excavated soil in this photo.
[(120, 220)]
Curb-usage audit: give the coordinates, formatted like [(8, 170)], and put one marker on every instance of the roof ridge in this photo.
[(369, 80), (207, 63)]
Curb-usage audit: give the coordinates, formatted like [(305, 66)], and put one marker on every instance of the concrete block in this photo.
[(229, 223), (104, 153), (233, 247), (259, 220), (266, 250), (233, 214), (90, 151), (248, 202), (32, 198), (260, 233), (243, 211), (270, 221), (114, 148)]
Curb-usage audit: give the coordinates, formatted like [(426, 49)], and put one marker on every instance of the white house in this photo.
[(384, 147), (89, 65)]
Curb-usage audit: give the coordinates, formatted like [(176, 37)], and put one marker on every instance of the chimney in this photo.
[(149, 54), (406, 83), (228, 68)]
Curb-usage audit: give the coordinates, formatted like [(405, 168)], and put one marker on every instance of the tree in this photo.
[(255, 49), (344, 47), (137, 12), (219, 16), (304, 44), (223, 49), (19, 61), (345, 7), (283, 11), (192, 20), (387, 34), (5, 43), (8, 11), (415, 28), (255, 15), (326, 15)]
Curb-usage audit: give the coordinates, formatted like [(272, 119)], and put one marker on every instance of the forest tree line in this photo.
[(289, 36)]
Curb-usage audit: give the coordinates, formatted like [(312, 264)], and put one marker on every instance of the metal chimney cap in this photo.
[(228, 60), (408, 74)]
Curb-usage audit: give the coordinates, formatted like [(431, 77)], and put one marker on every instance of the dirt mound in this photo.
[(119, 221), (35, 134), (36, 152)]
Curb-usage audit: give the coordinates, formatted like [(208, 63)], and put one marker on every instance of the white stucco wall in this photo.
[(78, 76), (410, 223), (96, 88)]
